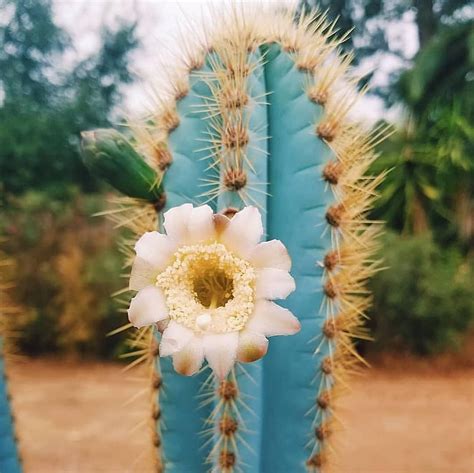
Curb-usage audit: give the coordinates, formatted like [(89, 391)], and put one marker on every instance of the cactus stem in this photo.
[(229, 72), (11, 456)]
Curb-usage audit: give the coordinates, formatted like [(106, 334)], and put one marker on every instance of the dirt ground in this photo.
[(71, 419)]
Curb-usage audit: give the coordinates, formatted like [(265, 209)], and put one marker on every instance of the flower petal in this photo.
[(201, 224), (221, 352), (155, 248), (244, 231), (176, 222), (270, 319), (189, 360), (252, 346), (147, 307), (221, 222), (274, 284), (174, 338), (271, 254), (143, 274)]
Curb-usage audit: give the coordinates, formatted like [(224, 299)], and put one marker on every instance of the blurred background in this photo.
[(67, 66)]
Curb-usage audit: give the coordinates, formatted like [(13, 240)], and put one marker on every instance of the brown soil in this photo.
[(71, 418)]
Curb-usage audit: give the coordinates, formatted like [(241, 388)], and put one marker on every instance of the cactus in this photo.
[(258, 114), (9, 455)]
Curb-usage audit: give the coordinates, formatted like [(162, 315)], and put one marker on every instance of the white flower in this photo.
[(208, 284)]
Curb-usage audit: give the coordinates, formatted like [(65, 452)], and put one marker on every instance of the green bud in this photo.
[(111, 157)]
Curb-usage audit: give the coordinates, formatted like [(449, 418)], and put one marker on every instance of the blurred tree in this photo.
[(67, 267), (408, 191), (442, 71), (30, 43), (370, 19), (424, 303), (46, 105), (432, 156)]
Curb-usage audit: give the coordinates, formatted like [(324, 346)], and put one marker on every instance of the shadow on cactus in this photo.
[(9, 455), (256, 135)]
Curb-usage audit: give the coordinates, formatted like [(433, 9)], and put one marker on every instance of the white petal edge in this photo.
[(271, 254), (252, 346), (274, 284), (221, 352), (176, 222), (156, 249), (201, 224), (175, 337), (244, 231), (270, 319), (143, 274), (147, 307), (189, 360)]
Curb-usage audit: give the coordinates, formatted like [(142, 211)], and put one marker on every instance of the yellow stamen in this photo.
[(208, 288)]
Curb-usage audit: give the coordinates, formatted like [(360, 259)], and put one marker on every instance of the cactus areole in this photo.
[(254, 137)]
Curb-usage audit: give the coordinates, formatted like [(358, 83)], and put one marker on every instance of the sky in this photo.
[(159, 26)]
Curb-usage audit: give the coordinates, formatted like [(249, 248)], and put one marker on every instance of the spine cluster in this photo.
[(224, 425)]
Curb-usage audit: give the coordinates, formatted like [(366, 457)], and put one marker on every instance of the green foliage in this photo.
[(45, 106), (30, 43), (408, 193), (370, 21), (430, 185), (423, 303), (66, 270), (441, 70)]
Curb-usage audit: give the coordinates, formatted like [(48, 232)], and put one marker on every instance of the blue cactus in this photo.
[(261, 117), (9, 455)]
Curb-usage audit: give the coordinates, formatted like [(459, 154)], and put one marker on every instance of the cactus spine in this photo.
[(9, 455), (260, 116)]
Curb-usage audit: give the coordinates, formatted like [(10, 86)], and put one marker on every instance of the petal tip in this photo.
[(295, 327), (186, 365), (251, 353)]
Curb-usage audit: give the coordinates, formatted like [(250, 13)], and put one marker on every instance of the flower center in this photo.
[(213, 288), (208, 288)]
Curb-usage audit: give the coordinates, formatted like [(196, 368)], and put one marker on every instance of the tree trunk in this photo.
[(464, 210), (425, 20), (419, 218)]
